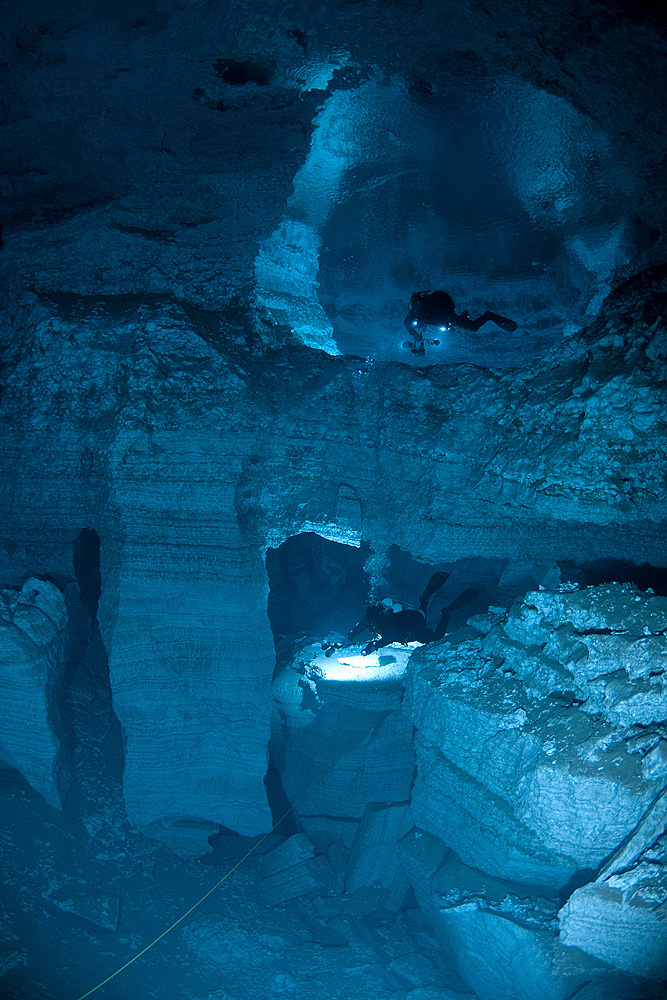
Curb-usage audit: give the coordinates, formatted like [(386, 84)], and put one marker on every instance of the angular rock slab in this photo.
[(523, 765), (616, 922), (293, 869), (32, 626), (374, 859), (502, 937), (502, 959), (622, 917)]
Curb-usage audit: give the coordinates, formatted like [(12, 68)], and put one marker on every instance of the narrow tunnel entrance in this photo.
[(589, 574)]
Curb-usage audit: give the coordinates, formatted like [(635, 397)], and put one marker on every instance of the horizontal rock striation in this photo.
[(32, 636), (622, 917), (539, 767), (501, 935), (135, 419), (340, 742), (190, 648)]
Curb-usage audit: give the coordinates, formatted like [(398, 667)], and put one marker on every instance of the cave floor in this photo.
[(80, 904)]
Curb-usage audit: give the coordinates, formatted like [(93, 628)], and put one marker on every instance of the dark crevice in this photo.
[(278, 801), (86, 562), (91, 731), (592, 574)]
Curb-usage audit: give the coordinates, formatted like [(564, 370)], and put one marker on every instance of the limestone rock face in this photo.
[(32, 631), (164, 272), (530, 774), (213, 215), (187, 186), (622, 916), (191, 692), (340, 740), (189, 457), (501, 934), (374, 859), (515, 777)]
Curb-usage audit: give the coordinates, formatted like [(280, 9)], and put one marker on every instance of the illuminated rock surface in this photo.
[(340, 739), (621, 916)]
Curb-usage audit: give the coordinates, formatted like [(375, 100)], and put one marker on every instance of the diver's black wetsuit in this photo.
[(408, 625), (437, 309)]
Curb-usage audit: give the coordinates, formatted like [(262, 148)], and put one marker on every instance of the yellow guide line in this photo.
[(186, 914)]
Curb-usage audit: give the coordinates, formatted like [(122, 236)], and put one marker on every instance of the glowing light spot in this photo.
[(353, 664)]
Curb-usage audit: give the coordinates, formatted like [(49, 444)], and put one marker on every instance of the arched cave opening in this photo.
[(320, 588), (317, 586), (320, 591)]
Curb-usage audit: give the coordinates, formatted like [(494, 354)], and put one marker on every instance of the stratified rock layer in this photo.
[(190, 648), (340, 740), (512, 775), (189, 457), (532, 739), (499, 934), (32, 632), (622, 916)]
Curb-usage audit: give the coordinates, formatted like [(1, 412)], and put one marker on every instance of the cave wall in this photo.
[(189, 460), (169, 175)]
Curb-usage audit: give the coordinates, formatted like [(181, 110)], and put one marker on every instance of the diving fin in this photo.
[(462, 601), (434, 584)]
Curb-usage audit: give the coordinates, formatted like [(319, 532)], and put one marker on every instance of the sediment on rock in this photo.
[(535, 784)]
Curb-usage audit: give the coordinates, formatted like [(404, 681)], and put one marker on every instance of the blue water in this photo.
[(500, 194)]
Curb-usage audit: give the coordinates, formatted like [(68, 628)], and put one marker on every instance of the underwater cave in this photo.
[(333, 599)]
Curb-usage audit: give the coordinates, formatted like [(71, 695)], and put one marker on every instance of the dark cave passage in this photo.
[(591, 574), (319, 589), (86, 562)]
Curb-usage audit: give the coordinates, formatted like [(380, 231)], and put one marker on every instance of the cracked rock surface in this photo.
[(212, 218), (533, 774)]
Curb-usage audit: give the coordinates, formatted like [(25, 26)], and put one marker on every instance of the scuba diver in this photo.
[(389, 621), (437, 309)]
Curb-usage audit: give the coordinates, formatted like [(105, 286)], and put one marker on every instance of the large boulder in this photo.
[(525, 768), (540, 738), (622, 916), (500, 934), (340, 739), (32, 632)]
